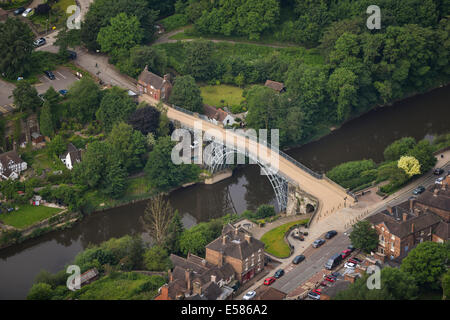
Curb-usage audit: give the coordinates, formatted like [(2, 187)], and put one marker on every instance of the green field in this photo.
[(27, 215), (274, 239), (222, 95)]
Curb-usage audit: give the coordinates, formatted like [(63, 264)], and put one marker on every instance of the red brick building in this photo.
[(402, 227), (153, 85)]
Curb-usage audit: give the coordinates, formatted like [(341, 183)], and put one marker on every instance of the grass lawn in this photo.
[(222, 95), (58, 15), (138, 186), (27, 215), (274, 239), (125, 286), (39, 161)]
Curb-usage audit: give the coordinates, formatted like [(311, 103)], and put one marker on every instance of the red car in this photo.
[(330, 279), (345, 253), (324, 284), (318, 291), (352, 261), (269, 281)]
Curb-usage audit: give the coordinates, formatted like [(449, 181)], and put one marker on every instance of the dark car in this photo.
[(357, 260), (63, 92), (40, 42), (330, 234), (317, 243), (72, 54), (50, 75), (438, 171), (19, 11), (419, 190), (279, 273), (298, 259)]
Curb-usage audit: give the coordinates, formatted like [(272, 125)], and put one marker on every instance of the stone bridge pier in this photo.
[(299, 202)]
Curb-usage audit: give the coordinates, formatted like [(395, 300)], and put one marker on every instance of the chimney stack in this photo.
[(248, 238), (220, 259), (435, 192), (405, 216), (167, 78), (170, 275), (187, 274), (224, 240), (412, 227), (236, 231), (389, 209), (213, 278), (411, 204)]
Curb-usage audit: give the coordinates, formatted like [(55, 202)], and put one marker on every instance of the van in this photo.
[(333, 261)]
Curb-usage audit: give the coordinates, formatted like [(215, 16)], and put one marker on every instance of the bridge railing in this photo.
[(281, 153)]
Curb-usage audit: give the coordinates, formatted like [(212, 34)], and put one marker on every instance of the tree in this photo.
[(427, 263), (446, 286), (141, 56), (84, 98), (186, 94), (395, 285), (174, 232), (16, 47), (423, 152), (116, 106), (129, 144), (364, 237), (42, 9), (157, 259), (398, 148), (198, 59), (114, 182), (157, 217), (162, 172), (145, 120), (410, 165), (265, 211), (56, 146), (255, 16), (40, 291), (195, 239), (123, 33), (46, 121), (342, 87), (26, 97)]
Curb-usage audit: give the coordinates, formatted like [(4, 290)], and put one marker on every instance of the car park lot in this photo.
[(63, 79)]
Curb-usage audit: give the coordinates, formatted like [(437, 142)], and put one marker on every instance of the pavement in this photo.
[(64, 78)]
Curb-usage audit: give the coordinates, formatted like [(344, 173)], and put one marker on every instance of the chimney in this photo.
[(389, 209), (405, 216), (220, 259), (248, 238), (411, 204), (224, 240), (213, 278), (146, 67), (412, 227), (170, 275), (167, 78), (187, 275), (435, 192), (204, 262), (236, 231)]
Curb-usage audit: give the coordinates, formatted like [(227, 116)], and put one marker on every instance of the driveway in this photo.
[(64, 79)]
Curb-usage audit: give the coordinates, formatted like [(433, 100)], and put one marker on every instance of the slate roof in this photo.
[(277, 86), (214, 113), (236, 244), (211, 291), (5, 158), (73, 152), (439, 200), (150, 78), (443, 230)]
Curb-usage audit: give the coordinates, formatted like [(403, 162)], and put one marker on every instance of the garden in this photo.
[(27, 215), (222, 96)]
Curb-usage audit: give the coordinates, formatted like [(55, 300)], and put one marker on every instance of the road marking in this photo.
[(60, 74)]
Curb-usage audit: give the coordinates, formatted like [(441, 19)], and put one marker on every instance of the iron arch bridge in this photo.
[(217, 159)]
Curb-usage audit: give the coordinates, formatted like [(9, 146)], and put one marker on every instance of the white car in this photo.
[(27, 12), (439, 180), (350, 265), (249, 295)]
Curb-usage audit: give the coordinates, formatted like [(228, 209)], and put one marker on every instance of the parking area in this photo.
[(63, 79), (6, 90)]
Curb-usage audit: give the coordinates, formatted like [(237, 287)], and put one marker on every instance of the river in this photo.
[(422, 116)]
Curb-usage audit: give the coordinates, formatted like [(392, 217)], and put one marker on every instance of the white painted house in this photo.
[(11, 165), (71, 156), (218, 116)]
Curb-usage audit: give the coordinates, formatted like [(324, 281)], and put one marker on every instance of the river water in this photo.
[(421, 116)]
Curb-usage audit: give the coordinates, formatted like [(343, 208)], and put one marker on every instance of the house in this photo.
[(71, 156), (277, 86), (218, 116), (196, 279), (36, 138), (238, 248), (153, 85), (11, 165), (330, 292), (402, 227), (36, 200), (87, 277)]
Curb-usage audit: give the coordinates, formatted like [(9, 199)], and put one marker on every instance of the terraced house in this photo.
[(402, 227)]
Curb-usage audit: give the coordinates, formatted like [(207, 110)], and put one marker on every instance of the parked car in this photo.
[(72, 54), (318, 291), (50, 75), (333, 261), (40, 42), (314, 295), (345, 253), (324, 283), (317, 243), (353, 261), (249, 295), (330, 234), (330, 279), (298, 259), (357, 260), (279, 273), (269, 281), (19, 11), (335, 274), (419, 190), (27, 13), (63, 92), (350, 265), (438, 171), (10, 209), (439, 180)]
